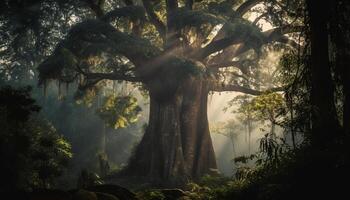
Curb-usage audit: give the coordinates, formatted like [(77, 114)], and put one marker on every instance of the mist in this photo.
[(175, 99)]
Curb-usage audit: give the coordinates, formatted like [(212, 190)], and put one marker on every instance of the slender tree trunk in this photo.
[(103, 139), (246, 130), (249, 133), (177, 143), (272, 131), (233, 147), (102, 147), (292, 125)]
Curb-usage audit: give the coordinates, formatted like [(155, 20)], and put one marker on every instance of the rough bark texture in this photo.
[(177, 144), (339, 31), (324, 117)]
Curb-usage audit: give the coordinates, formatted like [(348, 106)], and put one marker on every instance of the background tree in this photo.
[(230, 129), (268, 107), (245, 114), (117, 112)]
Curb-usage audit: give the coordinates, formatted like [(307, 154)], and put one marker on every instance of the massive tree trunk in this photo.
[(177, 143)]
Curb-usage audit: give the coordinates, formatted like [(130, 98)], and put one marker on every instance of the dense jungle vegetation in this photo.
[(174, 99)]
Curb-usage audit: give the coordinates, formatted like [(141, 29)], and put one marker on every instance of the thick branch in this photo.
[(259, 18), (216, 46), (96, 7), (225, 64), (286, 40), (189, 4), (154, 18), (270, 35), (240, 64), (137, 50), (136, 15), (112, 76), (128, 2), (246, 6), (276, 34), (91, 40), (236, 88), (171, 5), (133, 12), (89, 84)]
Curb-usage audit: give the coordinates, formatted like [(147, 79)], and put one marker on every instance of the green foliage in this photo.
[(230, 128), (151, 195), (87, 43), (87, 96), (221, 8), (199, 191), (263, 181), (266, 107), (296, 74), (50, 153), (197, 19), (289, 63), (185, 68), (271, 150), (208, 187), (242, 28), (244, 103), (244, 159), (33, 152), (119, 112), (88, 179), (150, 32), (17, 105)]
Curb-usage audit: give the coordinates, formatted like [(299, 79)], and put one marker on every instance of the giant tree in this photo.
[(179, 51)]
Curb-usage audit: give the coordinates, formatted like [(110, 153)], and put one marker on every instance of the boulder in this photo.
[(173, 194), (84, 195), (117, 191), (49, 195), (105, 196)]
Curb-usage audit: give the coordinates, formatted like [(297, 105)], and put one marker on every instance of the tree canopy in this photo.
[(102, 48)]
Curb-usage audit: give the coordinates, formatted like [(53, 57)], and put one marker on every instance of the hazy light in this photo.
[(265, 25)]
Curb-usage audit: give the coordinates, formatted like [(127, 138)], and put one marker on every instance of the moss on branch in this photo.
[(89, 43)]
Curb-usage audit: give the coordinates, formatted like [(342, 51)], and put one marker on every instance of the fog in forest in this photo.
[(174, 99)]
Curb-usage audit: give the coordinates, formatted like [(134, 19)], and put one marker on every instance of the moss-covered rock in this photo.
[(105, 196), (84, 195), (115, 190)]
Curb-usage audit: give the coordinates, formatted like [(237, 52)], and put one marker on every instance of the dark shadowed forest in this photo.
[(174, 99)]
